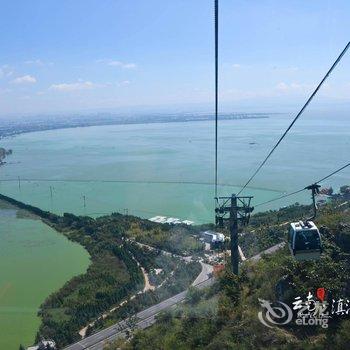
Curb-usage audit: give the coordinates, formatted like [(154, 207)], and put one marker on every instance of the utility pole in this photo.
[(234, 210), (84, 199), (19, 183)]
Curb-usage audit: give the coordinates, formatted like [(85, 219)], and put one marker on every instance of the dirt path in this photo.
[(148, 286)]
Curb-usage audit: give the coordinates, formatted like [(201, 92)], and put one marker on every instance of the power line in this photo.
[(297, 116), (153, 182), (334, 172), (303, 189), (119, 209), (216, 91), (281, 197)]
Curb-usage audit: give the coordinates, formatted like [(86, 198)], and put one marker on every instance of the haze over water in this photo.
[(167, 168)]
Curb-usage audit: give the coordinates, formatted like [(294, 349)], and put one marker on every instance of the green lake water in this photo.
[(34, 261), (150, 169)]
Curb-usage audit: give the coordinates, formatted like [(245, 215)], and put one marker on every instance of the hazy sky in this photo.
[(92, 54)]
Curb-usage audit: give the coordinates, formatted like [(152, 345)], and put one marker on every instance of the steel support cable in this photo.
[(147, 182), (297, 116), (334, 172), (281, 197), (303, 189), (216, 5)]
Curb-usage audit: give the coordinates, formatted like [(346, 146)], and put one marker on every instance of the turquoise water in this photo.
[(172, 152)]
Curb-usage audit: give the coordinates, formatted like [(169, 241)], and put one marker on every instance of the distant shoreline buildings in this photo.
[(168, 220), (15, 126)]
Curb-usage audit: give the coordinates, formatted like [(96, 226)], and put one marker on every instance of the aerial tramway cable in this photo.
[(216, 5), (303, 189), (308, 233), (297, 116)]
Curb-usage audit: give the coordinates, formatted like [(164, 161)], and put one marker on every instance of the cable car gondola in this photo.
[(304, 241), (304, 238)]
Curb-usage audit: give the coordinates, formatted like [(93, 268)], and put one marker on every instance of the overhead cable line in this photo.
[(281, 197), (303, 189), (297, 116), (216, 91), (146, 182), (334, 172)]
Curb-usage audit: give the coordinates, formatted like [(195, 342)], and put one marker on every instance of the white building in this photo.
[(159, 219), (188, 222), (174, 221), (213, 237)]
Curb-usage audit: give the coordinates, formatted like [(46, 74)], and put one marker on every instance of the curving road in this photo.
[(147, 317), (142, 319)]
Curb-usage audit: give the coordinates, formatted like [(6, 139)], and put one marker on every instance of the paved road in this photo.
[(147, 317), (143, 319), (268, 251), (206, 270)]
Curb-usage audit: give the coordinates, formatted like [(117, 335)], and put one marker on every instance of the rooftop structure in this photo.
[(174, 221), (213, 237), (302, 226)]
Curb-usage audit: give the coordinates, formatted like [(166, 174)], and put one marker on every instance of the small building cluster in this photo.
[(173, 221)]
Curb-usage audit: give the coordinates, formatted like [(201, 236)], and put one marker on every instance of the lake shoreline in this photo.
[(31, 251), (37, 126), (114, 273)]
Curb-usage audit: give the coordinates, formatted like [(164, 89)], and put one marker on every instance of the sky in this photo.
[(84, 55)]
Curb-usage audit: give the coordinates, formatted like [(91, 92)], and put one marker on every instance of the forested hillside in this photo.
[(225, 316), (115, 273)]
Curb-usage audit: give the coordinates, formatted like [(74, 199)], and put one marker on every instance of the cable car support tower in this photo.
[(234, 209)]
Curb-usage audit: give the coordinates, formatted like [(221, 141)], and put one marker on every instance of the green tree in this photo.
[(193, 295), (230, 285)]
